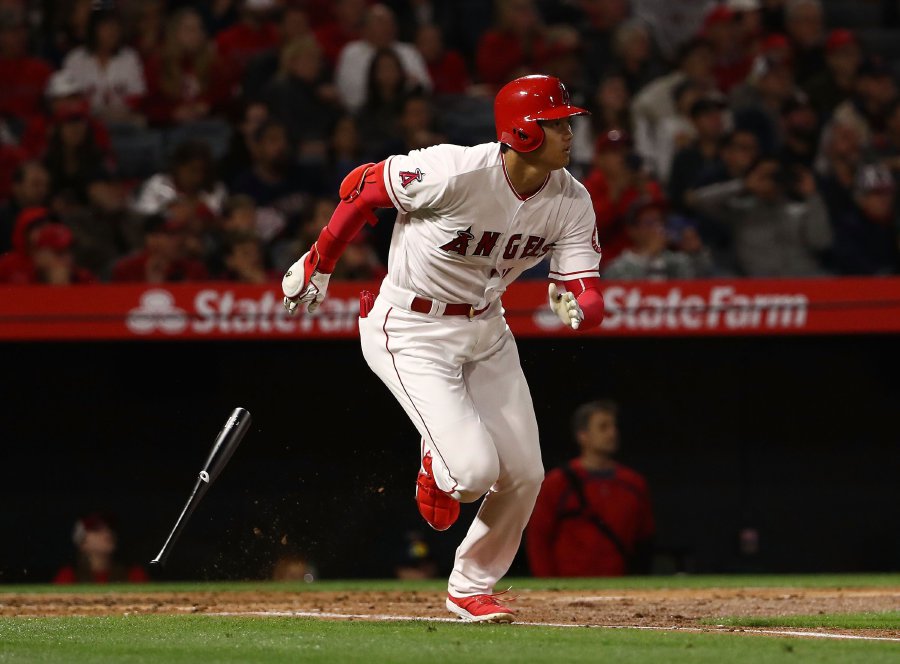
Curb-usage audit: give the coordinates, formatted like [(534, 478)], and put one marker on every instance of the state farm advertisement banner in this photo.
[(228, 311)]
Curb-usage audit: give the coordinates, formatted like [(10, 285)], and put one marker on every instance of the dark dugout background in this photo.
[(794, 437)]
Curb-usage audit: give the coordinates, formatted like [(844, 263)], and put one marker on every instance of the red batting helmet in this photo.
[(522, 102)]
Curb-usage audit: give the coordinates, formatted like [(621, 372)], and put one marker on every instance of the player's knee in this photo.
[(474, 482)]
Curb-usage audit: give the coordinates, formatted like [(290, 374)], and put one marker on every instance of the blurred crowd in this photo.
[(176, 140)]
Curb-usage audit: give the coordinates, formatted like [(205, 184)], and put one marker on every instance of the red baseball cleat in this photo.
[(438, 508), (480, 608)]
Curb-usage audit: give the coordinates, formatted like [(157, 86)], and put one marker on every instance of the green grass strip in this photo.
[(871, 620), (519, 584), (209, 639)]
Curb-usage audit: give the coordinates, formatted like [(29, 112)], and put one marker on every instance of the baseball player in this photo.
[(469, 221)]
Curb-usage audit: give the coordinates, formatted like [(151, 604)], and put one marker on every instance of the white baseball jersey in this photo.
[(463, 234), (109, 87)]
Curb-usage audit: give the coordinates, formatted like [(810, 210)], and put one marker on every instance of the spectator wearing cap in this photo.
[(616, 180), (96, 548), (30, 189), (655, 101), (837, 81), (254, 33), (804, 22), (708, 115), (800, 130), (41, 252), (355, 61), (163, 256), (110, 72), (655, 253), (777, 218), (866, 231), (733, 57), (23, 75), (874, 93)]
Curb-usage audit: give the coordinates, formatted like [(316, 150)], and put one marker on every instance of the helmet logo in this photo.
[(521, 134), (564, 94)]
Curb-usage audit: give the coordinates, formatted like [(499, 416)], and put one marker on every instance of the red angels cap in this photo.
[(838, 38), (612, 139), (54, 236)]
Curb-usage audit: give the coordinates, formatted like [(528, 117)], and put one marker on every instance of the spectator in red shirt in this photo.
[(446, 67), (593, 516), (614, 183), (162, 259), (23, 76), (187, 81), (253, 34), (515, 47), (96, 544), (41, 253), (333, 36)]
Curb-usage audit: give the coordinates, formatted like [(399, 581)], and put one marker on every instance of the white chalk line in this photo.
[(716, 629)]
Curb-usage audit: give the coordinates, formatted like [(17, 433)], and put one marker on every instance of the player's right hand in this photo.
[(303, 284)]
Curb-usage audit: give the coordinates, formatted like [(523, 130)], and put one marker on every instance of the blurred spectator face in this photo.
[(294, 24), (612, 93), (721, 29), (254, 117), (34, 187), (632, 42), (601, 435), (844, 143), (877, 205), (430, 42), (304, 61), (698, 64), (740, 153), (73, 130), (805, 23), (13, 35), (612, 157), (345, 138), (241, 219), (710, 124), (99, 541), (768, 187), (417, 116), (272, 146), (380, 28), (167, 243), (245, 257), (777, 81), (518, 16), (605, 14), (648, 231), (109, 35), (350, 12), (52, 254), (190, 176), (387, 71), (190, 33), (843, 55), (749, 23), (322, 212)]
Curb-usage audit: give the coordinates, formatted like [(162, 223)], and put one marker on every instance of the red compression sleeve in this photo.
[(359, 199), (589, 298)]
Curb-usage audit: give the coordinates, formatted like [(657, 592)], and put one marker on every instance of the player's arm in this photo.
[(361, 193), (580, 304)]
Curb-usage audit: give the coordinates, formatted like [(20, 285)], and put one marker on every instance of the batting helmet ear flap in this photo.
[(523, 102)]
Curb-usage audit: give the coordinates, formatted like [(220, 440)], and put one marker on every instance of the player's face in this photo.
[(556, 149)]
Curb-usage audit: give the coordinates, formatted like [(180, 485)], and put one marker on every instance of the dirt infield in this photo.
[(672, 608)]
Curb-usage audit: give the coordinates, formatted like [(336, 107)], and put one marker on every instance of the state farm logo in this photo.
[(722, 308), (215, 312), (157, 311)]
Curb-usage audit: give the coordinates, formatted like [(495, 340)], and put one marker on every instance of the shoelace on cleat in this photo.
[(492, 598)]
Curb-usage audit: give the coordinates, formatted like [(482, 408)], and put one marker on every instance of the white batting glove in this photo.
[(304, 284), (566, 307)]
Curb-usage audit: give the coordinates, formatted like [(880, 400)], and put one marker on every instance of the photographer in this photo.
[(615, 182), (778, 219)]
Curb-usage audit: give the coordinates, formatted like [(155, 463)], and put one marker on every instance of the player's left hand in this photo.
[(304, 284), (566, 307)]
